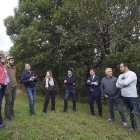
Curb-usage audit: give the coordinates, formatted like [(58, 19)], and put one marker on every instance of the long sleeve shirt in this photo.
[(11, 70), (127, 83), (108, 86), (70, 82), (26, 75), (92, 88)]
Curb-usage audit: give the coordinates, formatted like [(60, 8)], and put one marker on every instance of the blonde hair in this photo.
[(50, 74)]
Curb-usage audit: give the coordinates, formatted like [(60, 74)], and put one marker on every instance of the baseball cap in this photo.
[(10, 57)]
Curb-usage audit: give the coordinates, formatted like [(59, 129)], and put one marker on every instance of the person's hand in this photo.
[(31, 79), (106, 95), (65, 81), (34, 77), (95, 83)]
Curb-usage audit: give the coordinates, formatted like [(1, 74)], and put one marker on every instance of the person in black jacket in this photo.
[(70, 90), (50, 87), (29, 79), (94, 91)]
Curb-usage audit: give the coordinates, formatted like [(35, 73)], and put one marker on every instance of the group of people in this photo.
[(8, 87), (50, 86), (113, 89), (109, 86)]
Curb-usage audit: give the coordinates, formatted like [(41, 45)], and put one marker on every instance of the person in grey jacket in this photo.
[(127, 82), (111, 93)]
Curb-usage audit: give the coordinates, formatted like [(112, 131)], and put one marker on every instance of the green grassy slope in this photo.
[(62, 126)]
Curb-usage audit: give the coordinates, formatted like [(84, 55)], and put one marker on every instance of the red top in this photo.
[(2, 74)]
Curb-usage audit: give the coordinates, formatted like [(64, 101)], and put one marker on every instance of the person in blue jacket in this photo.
[(94, 91), (70, 90), (29, 79)]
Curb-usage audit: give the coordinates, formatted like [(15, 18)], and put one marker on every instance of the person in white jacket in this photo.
[(127, 82)]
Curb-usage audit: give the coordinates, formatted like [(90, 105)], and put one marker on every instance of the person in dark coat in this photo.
[(70, 90), (29, 79), (94, 91)]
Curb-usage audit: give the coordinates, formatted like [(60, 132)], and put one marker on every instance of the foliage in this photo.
[(59, 34)]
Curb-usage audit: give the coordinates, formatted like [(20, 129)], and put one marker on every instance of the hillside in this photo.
[(62, 126)]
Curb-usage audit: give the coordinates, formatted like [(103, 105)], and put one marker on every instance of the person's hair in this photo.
[(93, 69), (125, 64), (70, 69), (50, 73), (106, 70), (25, 65)]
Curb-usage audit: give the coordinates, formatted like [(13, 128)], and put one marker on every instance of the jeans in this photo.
[(10, 95), (97, 97), (137, 106), (48, 95), (130, 103), (31, 91), (2, 92), (69, 92), (115, 100)]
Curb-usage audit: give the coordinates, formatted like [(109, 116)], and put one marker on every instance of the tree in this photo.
[(58, 34)]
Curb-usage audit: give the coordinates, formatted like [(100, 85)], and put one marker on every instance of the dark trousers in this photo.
[(110, 102), (2, 92), (69, 92), (129, 101), (137, 106), (10, 95), (95, 97), (48, 95)]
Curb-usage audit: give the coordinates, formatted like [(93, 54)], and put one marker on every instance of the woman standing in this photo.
[(50, 86), (4, 80)]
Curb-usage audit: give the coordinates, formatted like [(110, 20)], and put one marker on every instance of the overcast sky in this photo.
[(6, 9)]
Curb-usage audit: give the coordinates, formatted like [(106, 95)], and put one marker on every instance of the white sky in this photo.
[(6, 9)]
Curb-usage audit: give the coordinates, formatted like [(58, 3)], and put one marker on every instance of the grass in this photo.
[(62, 126)]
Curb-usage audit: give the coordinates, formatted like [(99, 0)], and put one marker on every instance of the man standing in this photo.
[(127, 81), (29, 79), (10, 93), (110, 91), (70, 90), (93, 83), (4, 80)]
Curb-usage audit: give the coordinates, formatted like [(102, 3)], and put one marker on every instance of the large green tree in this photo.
[(57, 34)]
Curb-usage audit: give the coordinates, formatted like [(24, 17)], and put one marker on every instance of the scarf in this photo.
[(49, 81)]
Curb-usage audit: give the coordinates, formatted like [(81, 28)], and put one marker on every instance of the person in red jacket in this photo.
[(4, 80)]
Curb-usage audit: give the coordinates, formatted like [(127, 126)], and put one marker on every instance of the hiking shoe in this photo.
[(43, 113), (64, 111), (2, 127), (125, 124), (32, 114), (110, 120), (74, 110), (131, 129)]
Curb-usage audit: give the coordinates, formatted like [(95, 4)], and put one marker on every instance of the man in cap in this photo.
[(10, 93)]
